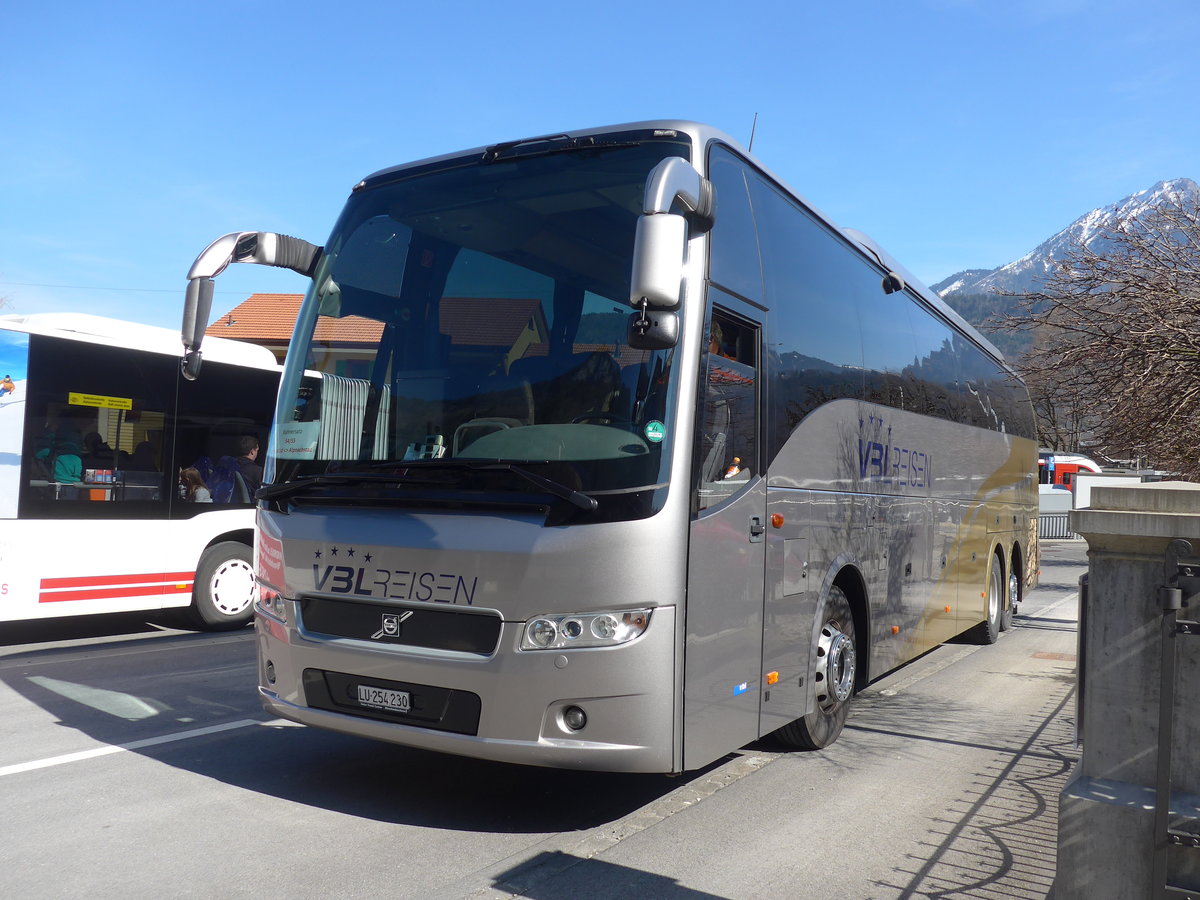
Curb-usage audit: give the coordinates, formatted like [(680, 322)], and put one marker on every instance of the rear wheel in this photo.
[(834, 663), (1014, 598), (988, 631), (223, 594)]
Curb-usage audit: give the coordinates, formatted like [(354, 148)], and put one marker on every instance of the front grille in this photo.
[(412, 626)]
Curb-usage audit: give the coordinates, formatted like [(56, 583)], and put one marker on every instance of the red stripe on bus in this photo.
[(181, 585), (85, 581)]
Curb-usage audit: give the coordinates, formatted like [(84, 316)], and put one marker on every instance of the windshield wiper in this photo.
[(555, 488), (304, 483), (578, 498)]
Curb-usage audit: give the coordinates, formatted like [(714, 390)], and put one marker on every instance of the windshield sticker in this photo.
[(655, 431), (296, 440)]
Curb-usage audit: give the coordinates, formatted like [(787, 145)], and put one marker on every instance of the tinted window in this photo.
[(489, 304), (219, 414), (727, 444), (932, 379), (733, 255), (102, 439), (813, 284), (835, 334), (96, 431), (991, 397), (888, 347)]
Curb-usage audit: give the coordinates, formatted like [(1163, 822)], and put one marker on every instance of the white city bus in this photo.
[(96, 427), (642, 459)]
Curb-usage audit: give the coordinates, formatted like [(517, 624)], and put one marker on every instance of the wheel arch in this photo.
[(851, 581), (221, 598), (238, 535)]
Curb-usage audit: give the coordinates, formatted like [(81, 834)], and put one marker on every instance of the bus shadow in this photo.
[(201, 714), (403, 786), (588, 878)]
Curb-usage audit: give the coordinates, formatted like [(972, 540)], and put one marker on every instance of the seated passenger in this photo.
[(68, 466), (247, 463), (192, 486)]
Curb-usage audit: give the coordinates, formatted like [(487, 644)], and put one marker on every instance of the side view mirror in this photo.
[(264, 248), (678, 201), (659, 245), (653, 329)]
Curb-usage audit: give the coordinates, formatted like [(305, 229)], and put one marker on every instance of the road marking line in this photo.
[(1072, 597), (119, 748), (1053, 606)]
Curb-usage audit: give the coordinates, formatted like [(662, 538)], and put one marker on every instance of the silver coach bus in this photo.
[(635, 458)]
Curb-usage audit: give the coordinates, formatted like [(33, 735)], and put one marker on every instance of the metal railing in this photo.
[(1056, 525)]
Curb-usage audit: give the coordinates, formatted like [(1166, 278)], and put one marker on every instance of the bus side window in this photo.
[(727, 449)]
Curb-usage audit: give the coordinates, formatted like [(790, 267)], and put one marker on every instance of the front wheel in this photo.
[(833, 668), (223, 594)]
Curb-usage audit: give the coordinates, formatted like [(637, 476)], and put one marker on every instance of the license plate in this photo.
[(383, 698)]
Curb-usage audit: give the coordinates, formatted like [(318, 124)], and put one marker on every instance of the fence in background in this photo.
[(1056, 525)]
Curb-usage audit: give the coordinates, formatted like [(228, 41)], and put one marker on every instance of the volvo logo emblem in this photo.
[(391, 625)]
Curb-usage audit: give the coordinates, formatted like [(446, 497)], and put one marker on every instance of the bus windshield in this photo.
[(476, 310)]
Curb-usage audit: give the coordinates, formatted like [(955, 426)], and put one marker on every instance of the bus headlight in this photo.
[(597, 629)]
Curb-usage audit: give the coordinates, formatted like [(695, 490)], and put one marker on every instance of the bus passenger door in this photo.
[(727, 538)]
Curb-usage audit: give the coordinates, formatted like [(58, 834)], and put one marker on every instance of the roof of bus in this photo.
[(135, 336), (701, 136)]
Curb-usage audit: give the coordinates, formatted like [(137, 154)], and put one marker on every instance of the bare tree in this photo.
[(1115, 360)]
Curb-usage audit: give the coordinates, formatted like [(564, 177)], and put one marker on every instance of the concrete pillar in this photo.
[(1106, 844)]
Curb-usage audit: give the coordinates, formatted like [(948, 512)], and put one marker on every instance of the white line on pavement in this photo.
[(119, 748), (1072, 597)]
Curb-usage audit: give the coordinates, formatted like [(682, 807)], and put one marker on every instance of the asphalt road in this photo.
[(136, 762)]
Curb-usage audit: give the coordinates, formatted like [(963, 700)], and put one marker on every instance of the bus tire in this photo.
[(223, 593), (833, 669), (1014, 598), (988, 631)]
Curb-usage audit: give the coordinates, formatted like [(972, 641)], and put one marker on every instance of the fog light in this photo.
[(270, 672), (574, 718)]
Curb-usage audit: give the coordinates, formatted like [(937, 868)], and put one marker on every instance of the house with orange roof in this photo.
[(269, 319), (483, 326)]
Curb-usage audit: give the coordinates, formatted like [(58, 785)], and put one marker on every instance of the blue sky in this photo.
[(959, 134)]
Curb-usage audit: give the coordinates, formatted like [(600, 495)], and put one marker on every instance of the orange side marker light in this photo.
[(772, 678), (895, 629), (777, 520)]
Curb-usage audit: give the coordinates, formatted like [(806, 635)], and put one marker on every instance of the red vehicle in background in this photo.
[(1061, 468)]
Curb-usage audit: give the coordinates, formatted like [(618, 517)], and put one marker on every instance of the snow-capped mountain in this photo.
[(1026, 273)]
